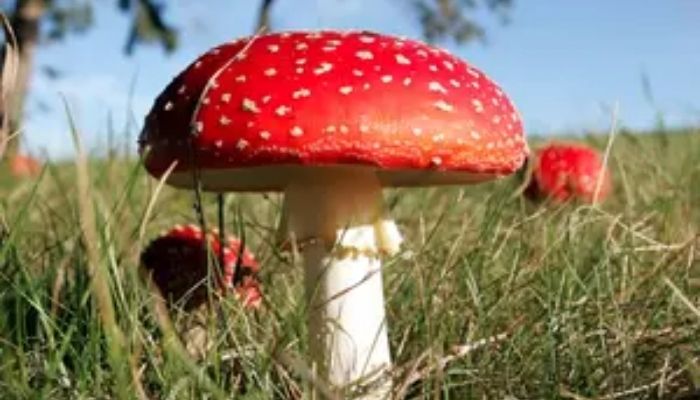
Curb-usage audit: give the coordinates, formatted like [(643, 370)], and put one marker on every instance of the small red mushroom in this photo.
[(564, 171), (177, 264), (24, 166)]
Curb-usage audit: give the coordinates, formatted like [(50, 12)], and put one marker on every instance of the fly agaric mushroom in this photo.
[(563, 171), (22, 166), (330, 118), (177, 263)]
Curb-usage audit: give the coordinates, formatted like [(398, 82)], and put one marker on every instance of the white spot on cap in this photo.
[(422, 53), (357, 72), (303, 92), (514, 117), (387, 78), (478, 106), (344, 129), (283, 110), (241, 55), (417, 131), (475, 84), (334, 42), (496, 119), (403, 60), (345, 90), (265, 135), (366, 86), (270, 72), (455, 83), (296, 131), (436, 161), (406, 81), (490, 145), (323, 68), (250, 106), (168, 106), (367, 39), (299, 70), (242, 144), (364, 55), (433, 67), (240, 78), (314, 35), (224, 120), (364, 128), (219, 143), (199, 126), (442, 105), (330, 129), (300, 61), (205, 100), (266, 99), (475, 135), (273, 48), (328, 49), (495, 101), (226, 97), (182, 89), (448, 65), (438, 138), (473, 72), (302, 46), (436, 87), (198, 64)]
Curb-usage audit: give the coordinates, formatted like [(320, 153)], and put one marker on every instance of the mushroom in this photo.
[(177, 263), (330, 118), (24, 166), (565, 171)]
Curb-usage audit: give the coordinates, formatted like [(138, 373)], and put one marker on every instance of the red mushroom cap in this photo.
[(564, 171), (177, 262), (328, 98), (23, 166)]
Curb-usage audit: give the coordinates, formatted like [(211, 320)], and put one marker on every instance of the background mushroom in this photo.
[(330, 118), (565, 171), (24, 166), (178, 264)]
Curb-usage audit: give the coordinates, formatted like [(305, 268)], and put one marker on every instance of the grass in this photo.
[(492, 297)]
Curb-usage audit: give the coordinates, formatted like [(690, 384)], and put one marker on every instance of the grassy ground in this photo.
[(492, 297)]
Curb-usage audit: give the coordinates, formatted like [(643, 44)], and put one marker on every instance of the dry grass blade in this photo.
[(606, 154), (308, 374), (683, 298), (417, 373), (99, 277), (172, 342), (153, 199), (7, 81)]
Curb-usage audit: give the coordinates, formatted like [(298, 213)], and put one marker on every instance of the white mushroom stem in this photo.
[(335, 216)]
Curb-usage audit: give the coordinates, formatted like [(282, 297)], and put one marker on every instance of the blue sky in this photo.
[(564, 63)]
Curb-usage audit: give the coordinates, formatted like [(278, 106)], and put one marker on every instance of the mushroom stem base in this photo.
[(336, 217)]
